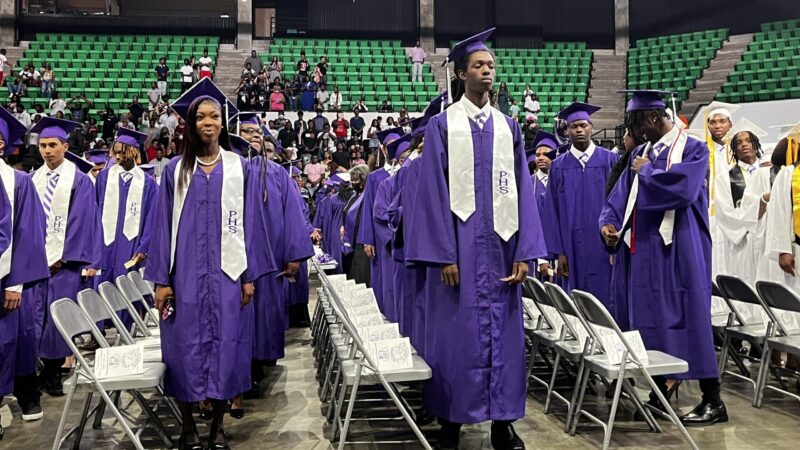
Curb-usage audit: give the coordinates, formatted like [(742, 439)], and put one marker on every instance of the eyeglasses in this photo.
[(252, 131)]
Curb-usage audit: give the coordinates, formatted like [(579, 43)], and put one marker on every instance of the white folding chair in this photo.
[(658, 363), (783, 334), (117, 302), (146, 290), (134, 297), (547, 331), (70, 321)]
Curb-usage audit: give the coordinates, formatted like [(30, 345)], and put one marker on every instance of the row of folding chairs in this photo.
[(344, 364), (565, 332), (768, 318), (79, 318)]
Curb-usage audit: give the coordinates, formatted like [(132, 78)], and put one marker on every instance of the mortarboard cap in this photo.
[(715, 107), (577, 111), (746, 125), (389, 135), (240, 145), (295, 172), (203, 89), (50, 127), (469, 45), (335, 179), (543, 139), (398, 146), (11, 129), (341, 159), (84, 165), (99, 156), (131, 137), (646, 99), (787, 129), (243, 118), (344, 177), (149, 169)]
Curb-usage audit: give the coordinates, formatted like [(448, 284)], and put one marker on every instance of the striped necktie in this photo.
[(583, 158), (52, 181), (126, 177), (751, 169), (657, 149), (480, 119)]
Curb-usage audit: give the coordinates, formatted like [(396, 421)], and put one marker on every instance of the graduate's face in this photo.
[(269, 150), (542, 161), (208, 121), (580, 132), (97, 168), (719, 125), (480, 72), (745, 151), (123, 157), (253, 134), (53, 151)]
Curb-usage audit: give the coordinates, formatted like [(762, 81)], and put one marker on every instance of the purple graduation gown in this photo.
[(19, 330), (665, 291), (392, 305), (297, 292), (372, 233), (207, 344), (331, 224), (283, 214), (114, 256), (572, 203), (475, 343), (81, 250)]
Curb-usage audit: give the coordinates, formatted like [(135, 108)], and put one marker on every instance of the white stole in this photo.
[(9, 184), (232, 249), (461, 165), (133, 205), (59, 208), (675, 156)]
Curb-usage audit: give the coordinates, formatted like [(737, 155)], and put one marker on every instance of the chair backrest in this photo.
[(119, 303), (132, 295), (534, 289), (781, 300), (97, 308), (70, 321), (566, 308), (735, 289), (142, 285)]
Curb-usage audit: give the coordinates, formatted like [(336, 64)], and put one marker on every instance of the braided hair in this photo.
[(753, 139)]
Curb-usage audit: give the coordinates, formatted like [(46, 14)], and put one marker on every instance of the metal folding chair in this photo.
[(779, 300), (117, 302), (146, 290), (657, 364), (132, 295), (548, 328), (70, 320)]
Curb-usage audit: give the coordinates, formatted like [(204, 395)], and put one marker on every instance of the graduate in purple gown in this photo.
[(656, 219), (73, 249), (372, 234), (297, 293), (356, 264), (573, 200), (540, 157), (332, 221), (126, 199), (23, 261), (209, 245), (98, 157), (475, 218)]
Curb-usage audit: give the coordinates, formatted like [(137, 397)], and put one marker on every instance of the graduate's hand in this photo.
[(56, 267), (316, 237), (544, 268), (786, 261), (139, 257), (90, 273), (638, 163), (341, 232), (563, 266), (610, 235), (12, 300), (518, 273), (162, 294), (248, 291), (370, 251), (291, 269), (450, 275)]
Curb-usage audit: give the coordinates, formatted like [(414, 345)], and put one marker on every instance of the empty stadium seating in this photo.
[(558, 74), (111, 69), (768, 69), (673, 62), (374, 70)]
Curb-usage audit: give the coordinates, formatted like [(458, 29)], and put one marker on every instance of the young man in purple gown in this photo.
[(474, 201), (656, 219)]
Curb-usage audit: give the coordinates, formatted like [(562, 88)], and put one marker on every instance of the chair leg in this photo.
[(534, 351), (110, 404), (670, 411), (350, 406), (641, 408), (82, 424), (575, 390), (62, 422), (552, 384), (723, 354), (577, 412), (162, 431), (337, 408), (763, 375), (614, 403), (336, 395)]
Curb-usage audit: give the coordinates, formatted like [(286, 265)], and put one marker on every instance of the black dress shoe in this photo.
[(705, 414), (183, 445), (31, 410), (212, 437), (505, 438), (254, 392)]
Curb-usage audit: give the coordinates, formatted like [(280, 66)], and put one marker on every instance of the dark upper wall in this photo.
[(181, 8), (388, 19), (659, 18)]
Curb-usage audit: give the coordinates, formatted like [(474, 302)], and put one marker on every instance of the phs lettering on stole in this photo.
[(502, 182), (58, 224), (233, 222), (134, 210)]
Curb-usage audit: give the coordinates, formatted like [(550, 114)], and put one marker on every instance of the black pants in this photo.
[(710, 387)]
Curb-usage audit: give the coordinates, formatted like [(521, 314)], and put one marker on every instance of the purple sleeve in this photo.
[(530, 243), (366, 230), (149, 200), (157, 264), (296, 228), (550, 215), (83, 241), (28, 257), (259, 251), (661, 190)]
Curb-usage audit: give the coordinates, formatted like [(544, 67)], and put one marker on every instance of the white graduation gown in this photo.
[(779, 236)]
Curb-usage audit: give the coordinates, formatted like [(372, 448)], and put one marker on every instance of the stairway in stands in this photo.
[(715, 75), (14, 54), (608, 76), (230, 62)]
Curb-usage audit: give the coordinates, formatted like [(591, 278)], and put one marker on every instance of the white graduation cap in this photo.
[(344, 176), (746, 125), (715, 107), (787, 128), (699, 133)]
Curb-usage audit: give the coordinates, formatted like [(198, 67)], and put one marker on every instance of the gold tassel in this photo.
[(712, 169)]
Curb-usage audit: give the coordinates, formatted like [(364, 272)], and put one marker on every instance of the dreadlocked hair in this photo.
[(128, 152), (753, 140), (636, 117)]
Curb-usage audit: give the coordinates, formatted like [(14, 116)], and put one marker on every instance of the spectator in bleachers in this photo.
[(22, 115), (530, 130), (503, 98), (360, 106), (390, 122), (417, 56), (153, 96), (356, 125), (322, 68), (513, 110), (532, 107), (248, 73), (110, 120), (205, 65), (320, 122), (254, 61), (386, 106), (373, 129), (48, 79), (30, 76), (277, 102), (3, 64), (356, 159), (162, 75), (302, 67), (327, 132), (39, 110), (159, 162), (56, 103), (322, 97), (79, 107), (16, 86), (153, 132), (336, 100), (314, 171), (124, 122), (136, 111), (275, 69), (292, 92), (187, 75), (340, 127), (169, 119), (528, 91), (76, 140)]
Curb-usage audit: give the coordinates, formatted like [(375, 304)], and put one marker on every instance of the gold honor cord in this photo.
[(712, 169), (793, 142)]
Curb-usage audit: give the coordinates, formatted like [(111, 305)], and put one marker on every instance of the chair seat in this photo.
[(658, 363), (788, 344), (529, 325), (752, 333), (152, 355), (149, 341), (570, 350), (719, 320), (420, 371), (548, 338), (152, 376)]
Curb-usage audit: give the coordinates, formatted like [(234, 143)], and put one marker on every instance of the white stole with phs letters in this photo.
[(133, 205), (59, 208)]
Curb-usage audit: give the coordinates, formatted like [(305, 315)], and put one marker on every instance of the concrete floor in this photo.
[(291, 417)]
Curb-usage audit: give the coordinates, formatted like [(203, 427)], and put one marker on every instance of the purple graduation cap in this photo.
[(543, 139), (11, 129), (578, 111), (389, 135), (240, 145), (243, 118), (203, 90), (84, 165), (50, 127), (398, 146), (131, 137), (341, 159), (99, 156), (149, 169), (295, 172), (647, 99), (436, 106), (463, 49)]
